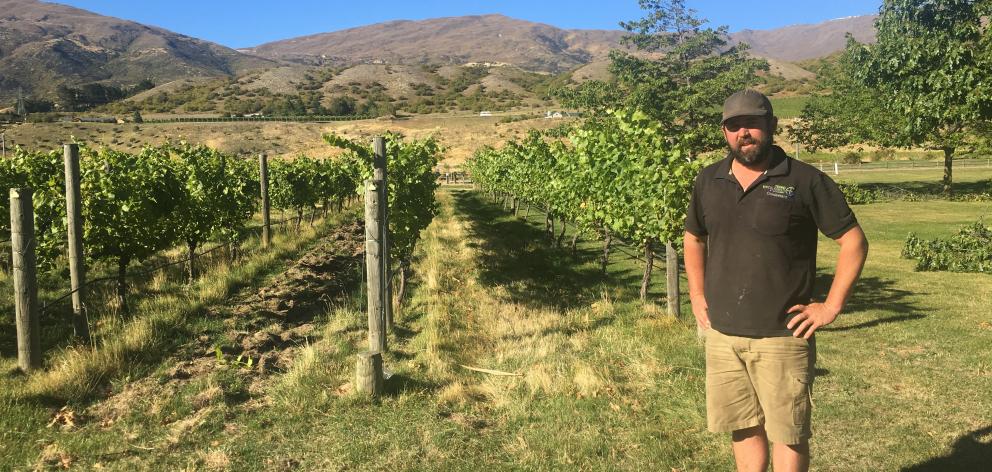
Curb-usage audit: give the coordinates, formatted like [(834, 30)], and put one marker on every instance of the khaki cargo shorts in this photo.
[(760, 381)]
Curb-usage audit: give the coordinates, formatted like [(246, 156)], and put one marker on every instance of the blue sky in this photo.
[(247, 23)]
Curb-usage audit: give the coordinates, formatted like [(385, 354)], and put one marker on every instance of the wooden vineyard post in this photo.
[(381, 173), (22, 245), (672, 274), (368, 374), (74, 223), (263, 179), (373, 266)]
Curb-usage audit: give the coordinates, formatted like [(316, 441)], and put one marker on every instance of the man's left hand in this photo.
[(810, 318)]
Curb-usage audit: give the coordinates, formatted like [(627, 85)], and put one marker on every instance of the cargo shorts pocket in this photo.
[(803, 400)]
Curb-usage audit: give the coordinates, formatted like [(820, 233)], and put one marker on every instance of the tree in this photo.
[(931, 68), (851, 113), (341, 106), (687, 74), (595, 96), (682, 82)]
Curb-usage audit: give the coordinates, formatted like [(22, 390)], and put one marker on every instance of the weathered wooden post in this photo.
[(368, 374), (672, 272), (381, 167), (373, 266), (22, 245), (263, 179), (368, 367), (74, 222)]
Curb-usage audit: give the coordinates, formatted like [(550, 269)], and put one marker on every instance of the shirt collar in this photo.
[(779, 165)]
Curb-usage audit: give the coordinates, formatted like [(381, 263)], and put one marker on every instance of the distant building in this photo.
[(552, 114), (485, 113)]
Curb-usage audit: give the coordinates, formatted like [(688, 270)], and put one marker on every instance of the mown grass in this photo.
[(602, 381), (789, 107)]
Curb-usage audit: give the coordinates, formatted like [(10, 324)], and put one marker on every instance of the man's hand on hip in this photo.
[(700, 309), (810, 318)]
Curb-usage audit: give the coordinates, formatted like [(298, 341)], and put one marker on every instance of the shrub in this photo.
[(883, 154), (852, 157), (858, 195), (968, 251)]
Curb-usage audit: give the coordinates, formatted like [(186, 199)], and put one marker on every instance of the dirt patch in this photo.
[(266, 325)]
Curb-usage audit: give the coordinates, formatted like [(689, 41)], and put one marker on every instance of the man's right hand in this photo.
[(695, 269), (701, 311)]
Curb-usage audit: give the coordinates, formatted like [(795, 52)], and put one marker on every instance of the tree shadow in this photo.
[(872, 293), (931, 189), (517, 255), (969, 453)]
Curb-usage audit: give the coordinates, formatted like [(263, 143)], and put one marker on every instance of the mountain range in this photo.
[(43, 45)]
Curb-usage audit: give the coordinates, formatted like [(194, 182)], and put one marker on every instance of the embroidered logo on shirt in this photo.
[(780, 191)]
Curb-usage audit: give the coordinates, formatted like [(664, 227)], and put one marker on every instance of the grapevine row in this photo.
[(137, 204), (620, 177)]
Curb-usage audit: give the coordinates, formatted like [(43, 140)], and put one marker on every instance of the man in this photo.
[(750, 258)]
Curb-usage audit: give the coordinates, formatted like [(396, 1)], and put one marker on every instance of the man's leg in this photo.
[(751, 450), (790, 457)]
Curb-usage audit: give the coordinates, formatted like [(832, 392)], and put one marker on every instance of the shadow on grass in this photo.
[(969, 453), (400, 384), (933, 189), (872, 293), (516, 254)]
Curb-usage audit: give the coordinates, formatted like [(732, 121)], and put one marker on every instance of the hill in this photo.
[(454, 40), (44, 45), (424, 66), (529, 45), (801, 42)]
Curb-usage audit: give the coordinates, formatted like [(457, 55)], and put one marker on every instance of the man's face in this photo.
[(749, 138)]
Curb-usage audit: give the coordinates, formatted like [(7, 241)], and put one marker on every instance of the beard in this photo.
[(755, 155)]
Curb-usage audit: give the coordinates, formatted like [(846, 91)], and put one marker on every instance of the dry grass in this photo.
[(461, 135)]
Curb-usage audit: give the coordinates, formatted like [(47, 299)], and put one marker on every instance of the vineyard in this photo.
[(518, 343), (133, 207), (455, 292), (619, 178)]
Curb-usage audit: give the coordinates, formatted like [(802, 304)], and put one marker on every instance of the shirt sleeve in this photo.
[(694, 221), (829, 208)]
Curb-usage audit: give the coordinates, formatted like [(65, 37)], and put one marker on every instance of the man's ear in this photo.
[(772, 125)]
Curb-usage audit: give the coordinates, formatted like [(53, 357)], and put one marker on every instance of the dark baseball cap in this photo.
[(746, 103)]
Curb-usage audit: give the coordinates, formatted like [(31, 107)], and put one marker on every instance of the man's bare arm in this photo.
[(850, 261), (695, 270)]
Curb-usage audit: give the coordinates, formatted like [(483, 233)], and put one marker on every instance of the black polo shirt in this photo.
[(761, 243)]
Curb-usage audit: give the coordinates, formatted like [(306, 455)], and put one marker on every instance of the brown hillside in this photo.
[(43, 45), (800, 42), (457, 40)]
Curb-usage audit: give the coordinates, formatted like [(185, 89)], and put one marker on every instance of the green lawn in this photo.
[(789, 107)]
